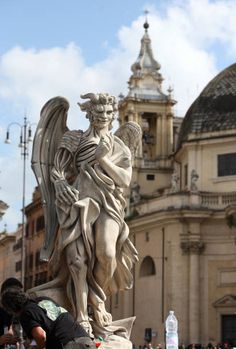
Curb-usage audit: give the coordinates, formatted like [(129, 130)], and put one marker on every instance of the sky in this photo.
[(72, 47)]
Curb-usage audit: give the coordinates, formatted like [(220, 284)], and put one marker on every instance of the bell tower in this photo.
[(151, 108)]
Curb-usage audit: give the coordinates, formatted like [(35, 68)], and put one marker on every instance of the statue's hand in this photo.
[(65, 192), (103, 148)]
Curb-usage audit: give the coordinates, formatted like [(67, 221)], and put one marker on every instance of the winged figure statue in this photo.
[(82, 176)]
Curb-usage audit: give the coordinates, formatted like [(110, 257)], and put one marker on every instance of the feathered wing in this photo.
[(51, 127), (131, 135)]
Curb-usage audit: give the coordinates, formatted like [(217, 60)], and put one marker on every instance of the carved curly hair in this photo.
[(96, 99)]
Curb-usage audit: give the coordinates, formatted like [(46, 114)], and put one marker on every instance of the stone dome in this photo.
[(215, 108)]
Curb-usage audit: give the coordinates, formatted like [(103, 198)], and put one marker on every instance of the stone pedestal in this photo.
[(116, 342)]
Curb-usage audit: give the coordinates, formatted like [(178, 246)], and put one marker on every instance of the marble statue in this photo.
[(194, 179), (135, 195), (174, 182), (82, 176)]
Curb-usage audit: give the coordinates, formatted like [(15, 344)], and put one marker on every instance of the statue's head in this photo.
[(100, 108)]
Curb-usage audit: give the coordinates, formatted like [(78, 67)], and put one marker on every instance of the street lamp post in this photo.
[(25, 138)]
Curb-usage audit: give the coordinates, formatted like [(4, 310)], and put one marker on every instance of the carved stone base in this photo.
[(116, 342)]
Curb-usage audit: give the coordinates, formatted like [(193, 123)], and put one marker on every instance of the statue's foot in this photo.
[(102, 317), (87, 327)]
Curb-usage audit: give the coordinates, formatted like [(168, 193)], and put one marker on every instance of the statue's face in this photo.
[(102, 115)]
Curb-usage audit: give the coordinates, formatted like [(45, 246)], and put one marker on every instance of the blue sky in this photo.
[(56, 47), (44, 24)]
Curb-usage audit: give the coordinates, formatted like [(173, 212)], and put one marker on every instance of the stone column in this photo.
[(164, 135), (158, 135), (169, 133), (194, 249)]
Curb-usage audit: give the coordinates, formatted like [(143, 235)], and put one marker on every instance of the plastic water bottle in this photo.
[(6, 330), (171, 331), (21, 338)]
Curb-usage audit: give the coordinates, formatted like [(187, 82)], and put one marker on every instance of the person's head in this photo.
[(11, 282), (14, 299), (100, 109)]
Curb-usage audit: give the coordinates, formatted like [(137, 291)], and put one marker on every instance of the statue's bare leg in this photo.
[(106, 234), (78, 291)]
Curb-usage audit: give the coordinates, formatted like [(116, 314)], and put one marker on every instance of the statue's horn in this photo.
[(92, 96)]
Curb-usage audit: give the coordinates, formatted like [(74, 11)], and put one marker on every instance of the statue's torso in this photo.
[(85, 152)]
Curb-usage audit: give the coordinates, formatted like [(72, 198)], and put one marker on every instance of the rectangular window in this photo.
[(17, 245), (31, 259), (32, 227), (227, 165), (27, 230), (36, 281), (18, 266), (38, 261), (150, 177), (40, 223), (37, 258), (228, 329), (185, 175)]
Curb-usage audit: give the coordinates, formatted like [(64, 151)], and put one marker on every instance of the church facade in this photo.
[(182, 209)]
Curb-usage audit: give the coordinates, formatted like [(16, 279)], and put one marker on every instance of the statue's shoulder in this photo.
[(71, 140)]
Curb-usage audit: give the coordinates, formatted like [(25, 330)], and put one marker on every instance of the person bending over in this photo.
[(50, 325)]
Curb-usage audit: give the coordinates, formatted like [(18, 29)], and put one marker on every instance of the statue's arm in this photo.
[(62, 160), (121, 175), (65, 193)]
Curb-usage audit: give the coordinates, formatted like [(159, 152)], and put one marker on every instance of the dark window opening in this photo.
[(18, 266), (31, 259), (147, 267), (228, 329), (186, 174), (17, 245), (38, 261), (40, 223), (150, 177), (27, 230), (32, 227), (227, 165)]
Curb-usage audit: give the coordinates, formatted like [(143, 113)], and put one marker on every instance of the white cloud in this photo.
[(185, 39)]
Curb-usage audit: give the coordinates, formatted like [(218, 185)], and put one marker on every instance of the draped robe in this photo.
[(97, 192)]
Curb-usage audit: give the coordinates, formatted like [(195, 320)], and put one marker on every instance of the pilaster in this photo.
[(193, 246)]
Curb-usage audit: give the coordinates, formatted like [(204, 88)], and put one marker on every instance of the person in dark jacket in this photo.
[(6, 333), (43, 320)]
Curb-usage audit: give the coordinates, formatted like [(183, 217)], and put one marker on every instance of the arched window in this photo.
[(147, 267)]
